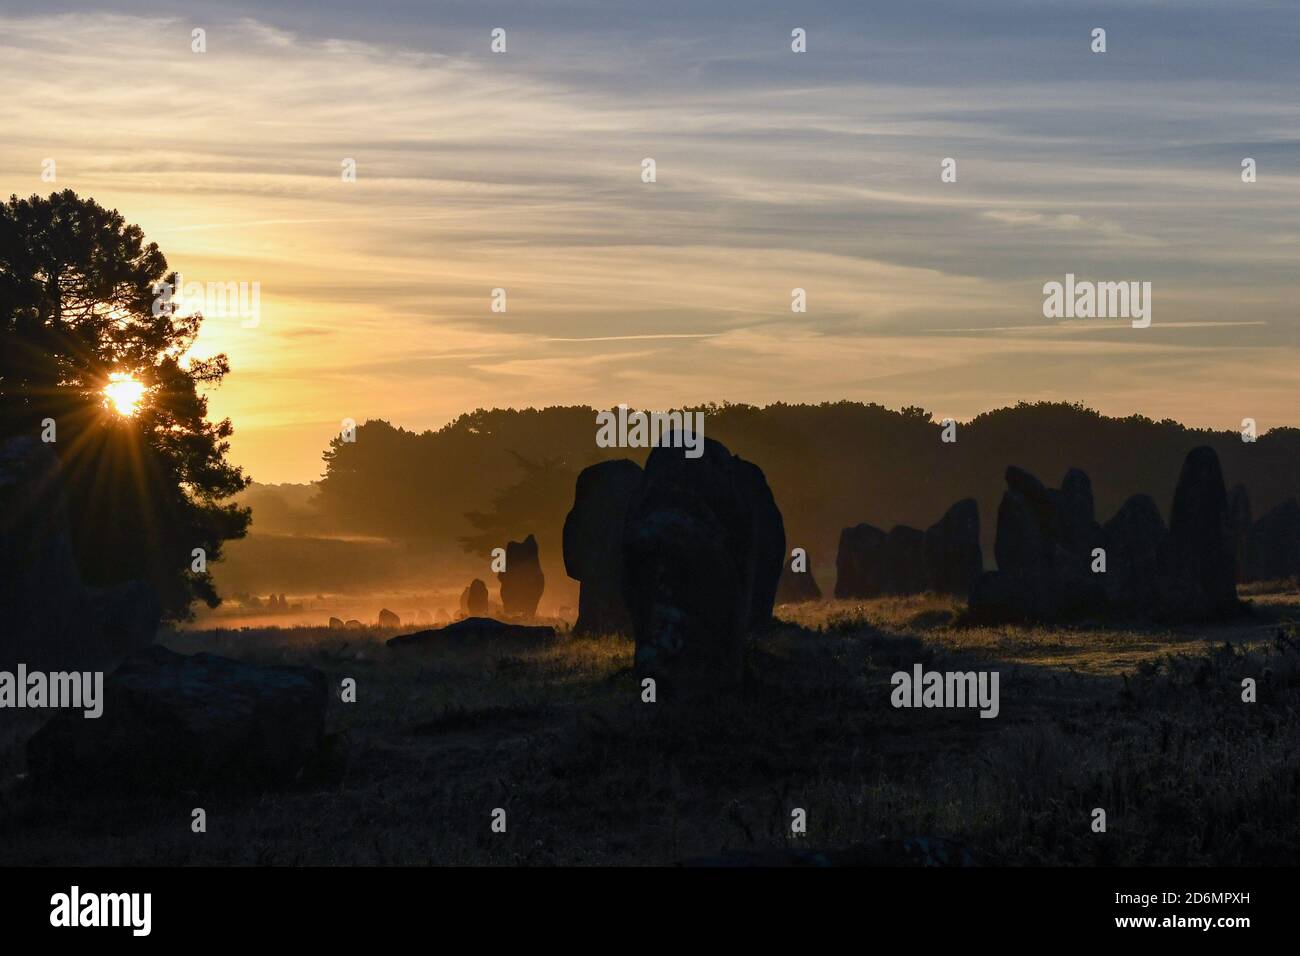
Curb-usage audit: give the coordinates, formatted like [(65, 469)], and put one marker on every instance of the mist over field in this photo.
[(405, 520)]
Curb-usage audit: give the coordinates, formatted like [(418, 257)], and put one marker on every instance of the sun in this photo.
[(123, 393)]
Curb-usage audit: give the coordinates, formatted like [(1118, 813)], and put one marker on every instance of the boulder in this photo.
[(471, 630), (51, 620), (336, 623), (185, 722), (1198, 575), (797, 587), (1133, 539), (474, 599), (593, 544), (388, 619), (702, 554), (1274, 546), (861, 562), (354, 625), (953, 557), (522, 582)]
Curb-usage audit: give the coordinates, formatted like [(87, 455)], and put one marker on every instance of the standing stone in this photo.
[(522, 582), (1045, 539), (905, 561), (593, 544), (336, 623), (700, 568), (388, 619), (766, 554), (474, 599), (1133, 539), (1076, 529), (1198, 568), (861, 563), (953, 557), (1025, 519), (1074, 536), (797, 587), (1275, 543), (1239, 527)]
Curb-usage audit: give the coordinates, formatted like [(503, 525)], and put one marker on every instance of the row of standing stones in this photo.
[(1056, 562), (686, 554), (522, 584)]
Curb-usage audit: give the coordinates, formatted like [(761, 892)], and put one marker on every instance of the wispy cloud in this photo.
[(775, 171)]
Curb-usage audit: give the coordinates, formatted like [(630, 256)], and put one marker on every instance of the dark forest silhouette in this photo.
[(493, 475)]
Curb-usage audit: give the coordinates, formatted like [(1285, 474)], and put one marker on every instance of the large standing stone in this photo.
[(522, 582), (797, 587), (48, 619), (766, 554), (1275, 543), (905, 561), (1045, 551), (1026, 516), (700, 568), (870, 562), (1076, 529), (1239, 527), (1198, 569), (1075, 538), (953, 557), (474, 599), (388, 619), (861, 562), (1133, 539), (187, 722), (593, 544)]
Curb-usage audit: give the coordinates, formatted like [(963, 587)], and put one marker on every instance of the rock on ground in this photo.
[(179, 721)]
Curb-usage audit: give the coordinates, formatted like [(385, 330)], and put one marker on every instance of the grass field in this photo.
[(1147, 723)]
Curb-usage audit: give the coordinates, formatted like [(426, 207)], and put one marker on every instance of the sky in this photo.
[(774, 170)]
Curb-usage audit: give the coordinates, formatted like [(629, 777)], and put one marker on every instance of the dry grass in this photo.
[(1145, 722)]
